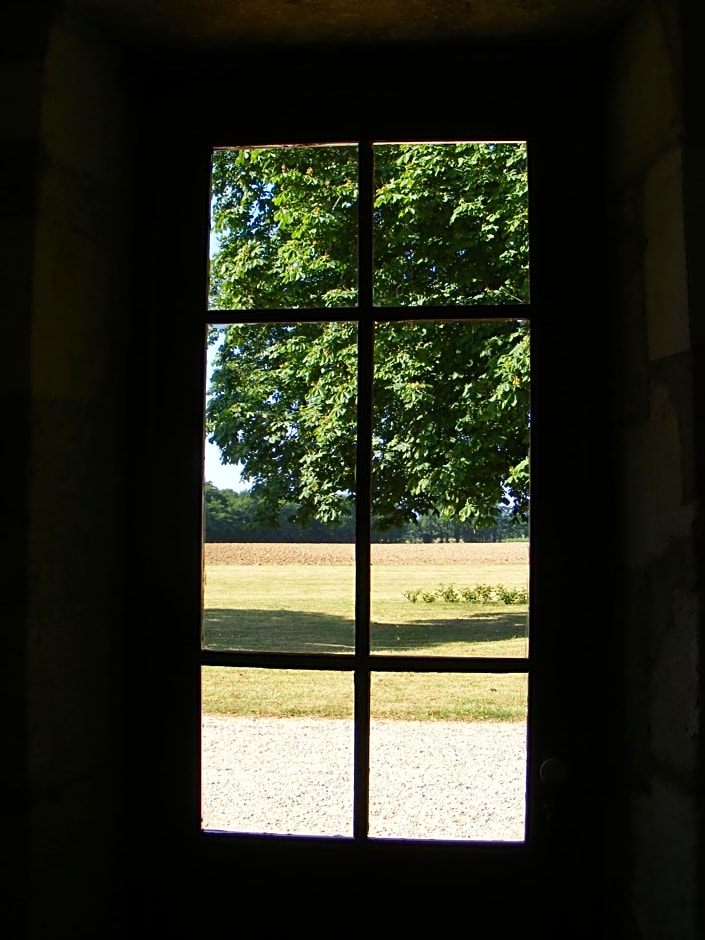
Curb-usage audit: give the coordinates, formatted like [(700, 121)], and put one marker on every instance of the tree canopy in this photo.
[(451, 397)]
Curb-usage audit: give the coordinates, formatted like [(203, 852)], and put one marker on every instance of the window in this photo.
[(370, 315), (550, 104)]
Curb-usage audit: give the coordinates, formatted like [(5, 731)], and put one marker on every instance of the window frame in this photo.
[(523, 100)]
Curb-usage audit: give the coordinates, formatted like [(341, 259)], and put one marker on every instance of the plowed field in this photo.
[(299, 553)]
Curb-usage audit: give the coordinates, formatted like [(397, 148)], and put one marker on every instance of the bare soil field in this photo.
[(300, 553)]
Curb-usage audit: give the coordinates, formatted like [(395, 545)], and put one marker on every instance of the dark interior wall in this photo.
[(652, 320), (23, 43), (70, 148), (65, 358)]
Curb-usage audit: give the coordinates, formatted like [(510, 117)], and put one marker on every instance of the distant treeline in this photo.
[(237, 517)]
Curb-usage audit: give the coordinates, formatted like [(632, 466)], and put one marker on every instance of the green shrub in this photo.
[(480, 594)]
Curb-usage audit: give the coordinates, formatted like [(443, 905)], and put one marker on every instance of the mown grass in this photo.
[(310, 608), (399, 696)]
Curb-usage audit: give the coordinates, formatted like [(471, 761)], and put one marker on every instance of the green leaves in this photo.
[(283, 404), (451, 399), (451, 224), (285, 221)]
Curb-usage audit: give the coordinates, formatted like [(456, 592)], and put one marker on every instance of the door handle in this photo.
[(553, 772)]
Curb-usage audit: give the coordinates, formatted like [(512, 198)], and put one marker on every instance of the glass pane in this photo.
[(278, 597), (283, 228), (451, 224), (279, 552), (270, 764), (450, 481), (448, 756)]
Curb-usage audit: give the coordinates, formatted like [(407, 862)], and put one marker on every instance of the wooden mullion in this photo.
[(363, 492), (434, 313), (256, 659), (449, 664), (346, 662), (283, 315)]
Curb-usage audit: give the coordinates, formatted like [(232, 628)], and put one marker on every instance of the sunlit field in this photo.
[(300, 598)]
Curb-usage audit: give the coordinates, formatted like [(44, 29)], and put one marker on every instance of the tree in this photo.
[(451, 398), (237, 517)]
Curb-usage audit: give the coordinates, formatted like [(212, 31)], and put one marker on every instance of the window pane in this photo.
[(450, 599), (279, 597), (450, 482), (283, 228), (448, 756), (270, 763), (281, 408), (451, 224)]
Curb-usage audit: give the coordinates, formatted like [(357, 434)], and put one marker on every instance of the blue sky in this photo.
[(224, 477)]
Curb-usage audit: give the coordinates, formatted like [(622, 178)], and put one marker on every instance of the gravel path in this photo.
[(428, 780)]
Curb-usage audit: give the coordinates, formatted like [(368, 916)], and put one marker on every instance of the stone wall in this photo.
[(657, 561), (66, 329)]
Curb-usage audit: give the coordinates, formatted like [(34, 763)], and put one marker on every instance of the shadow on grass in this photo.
[(286, 631)]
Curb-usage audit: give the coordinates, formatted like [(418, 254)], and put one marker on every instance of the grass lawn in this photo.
[(309, 608)]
